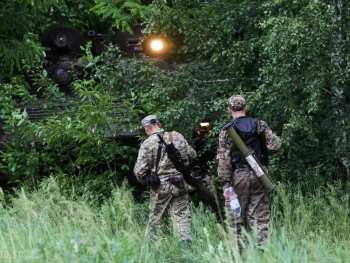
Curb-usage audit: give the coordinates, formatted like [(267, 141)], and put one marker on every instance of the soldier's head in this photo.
[(151, 124), (237, 105)]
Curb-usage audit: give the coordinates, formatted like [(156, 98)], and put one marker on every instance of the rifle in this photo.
[(259, 170), (179, 163), (206, 196)]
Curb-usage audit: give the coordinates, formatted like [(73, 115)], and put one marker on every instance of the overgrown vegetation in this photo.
[(290, 60), (53, 224)]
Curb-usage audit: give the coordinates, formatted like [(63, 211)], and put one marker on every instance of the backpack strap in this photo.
[(159, 153)]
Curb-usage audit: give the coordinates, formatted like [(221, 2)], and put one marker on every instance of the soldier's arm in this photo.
[(143, 162), (184, 147), (273, 142), (223, 156), (191, 153)]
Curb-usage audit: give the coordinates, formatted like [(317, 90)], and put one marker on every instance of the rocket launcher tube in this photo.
[(254, 164)]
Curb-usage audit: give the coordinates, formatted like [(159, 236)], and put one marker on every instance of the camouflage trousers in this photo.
[(255, 206), (170, 197)]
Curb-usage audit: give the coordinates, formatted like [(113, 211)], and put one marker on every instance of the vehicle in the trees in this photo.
[(63, 48)]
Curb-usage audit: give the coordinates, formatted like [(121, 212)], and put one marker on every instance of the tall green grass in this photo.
[(49, 226)]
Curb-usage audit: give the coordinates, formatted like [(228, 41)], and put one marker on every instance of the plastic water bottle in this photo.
[(235, 206), (231, 199)]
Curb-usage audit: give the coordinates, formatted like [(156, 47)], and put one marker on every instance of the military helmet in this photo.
[(237, 102), (150, 119)]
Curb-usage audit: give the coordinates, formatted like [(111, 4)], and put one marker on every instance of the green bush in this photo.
[(288, 58)]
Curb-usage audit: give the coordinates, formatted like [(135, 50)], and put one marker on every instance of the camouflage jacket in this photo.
[(225, 171), (146, 160)]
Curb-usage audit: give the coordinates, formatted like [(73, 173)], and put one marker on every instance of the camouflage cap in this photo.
[(149, 119), (237, 102)]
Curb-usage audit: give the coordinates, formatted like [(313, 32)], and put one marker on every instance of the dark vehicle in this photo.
[(63, 47)]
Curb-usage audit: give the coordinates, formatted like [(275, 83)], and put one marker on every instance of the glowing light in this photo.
[(157, 45), (204, 124)]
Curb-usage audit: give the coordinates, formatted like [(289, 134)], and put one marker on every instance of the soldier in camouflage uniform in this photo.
[(172, 192), (234, 171)]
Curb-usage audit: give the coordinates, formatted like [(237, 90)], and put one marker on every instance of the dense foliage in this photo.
[(23, 21), (288, 58)]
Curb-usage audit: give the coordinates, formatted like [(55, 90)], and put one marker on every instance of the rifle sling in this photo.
[(162, 141), (159, 153)]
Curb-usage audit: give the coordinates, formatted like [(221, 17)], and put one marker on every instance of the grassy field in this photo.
[(48, 226)]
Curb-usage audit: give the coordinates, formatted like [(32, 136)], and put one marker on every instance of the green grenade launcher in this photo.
[(254, 164)]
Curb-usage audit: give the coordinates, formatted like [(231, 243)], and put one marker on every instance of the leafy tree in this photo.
[(122, 14), (285, 57), (24, 20), (288, 58)]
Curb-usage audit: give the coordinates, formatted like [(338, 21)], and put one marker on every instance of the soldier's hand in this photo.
[(228, 193)]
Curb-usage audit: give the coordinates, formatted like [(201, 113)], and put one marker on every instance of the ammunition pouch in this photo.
[(152, 180)]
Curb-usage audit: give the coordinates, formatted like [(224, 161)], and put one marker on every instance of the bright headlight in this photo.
[(157, 45)]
